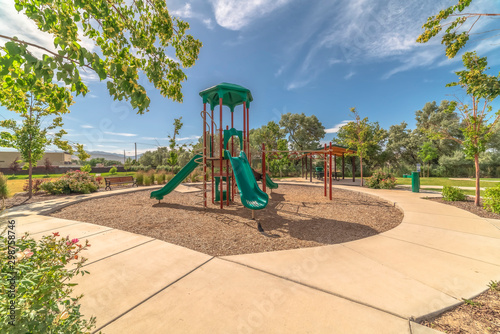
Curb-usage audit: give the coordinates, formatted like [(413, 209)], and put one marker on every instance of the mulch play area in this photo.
[(296, 217)]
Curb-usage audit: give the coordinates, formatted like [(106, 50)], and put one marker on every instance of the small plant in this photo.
[(36, 186), (87, 168), (453, 194), (381, 180), (98, 180), (193, 177), (139, 178), (48, 166), (471, 302), (494, 285), (160, 177), (147, 180), (169, 177), (4, 190), (151, 176), (15, 166), (113, 170), (491, 199), (71, 182), (44, 300)]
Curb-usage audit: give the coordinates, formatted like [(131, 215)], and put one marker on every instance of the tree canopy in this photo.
[(304, 132)]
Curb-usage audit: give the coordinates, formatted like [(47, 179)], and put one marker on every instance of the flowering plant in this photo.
[(381, 180), (35, 289), (72, 182)]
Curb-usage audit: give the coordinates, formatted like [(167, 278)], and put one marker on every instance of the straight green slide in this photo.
[(270, 184), (178, 178), (251, 196)]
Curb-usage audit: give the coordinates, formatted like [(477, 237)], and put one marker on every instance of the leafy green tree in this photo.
[(475, 118), (277, 164), (81, 154), (268, 134), (15, 165), (362, 136), (427, 154), (403, 145), (38, 103), (304, 132), (457, 33), (173, 158), (130, 38)]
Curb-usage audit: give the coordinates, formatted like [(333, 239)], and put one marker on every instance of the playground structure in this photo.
[(229, 169), (229, 163)]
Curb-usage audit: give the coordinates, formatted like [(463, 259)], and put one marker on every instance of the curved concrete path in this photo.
[(436, 257)]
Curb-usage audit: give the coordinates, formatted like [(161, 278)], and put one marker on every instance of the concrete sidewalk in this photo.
[(436, 257)]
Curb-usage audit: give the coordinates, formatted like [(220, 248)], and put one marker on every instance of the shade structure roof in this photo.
[(232, 95)]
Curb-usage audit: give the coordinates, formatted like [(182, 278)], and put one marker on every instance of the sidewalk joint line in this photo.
[(317, 289), (122, 251), (154, 294), (447, 229), (440, 250)]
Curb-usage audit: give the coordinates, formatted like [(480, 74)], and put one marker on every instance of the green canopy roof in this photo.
[(232, 95)]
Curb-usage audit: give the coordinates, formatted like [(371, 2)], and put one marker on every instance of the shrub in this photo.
[(139, 178), (147, 180), (491, 199), (86, 168), (381, 180), (71, 182), (151, 176), (4, 190), (160, 177), (194, 177), (44, 302), (453, 194), (113, 170), (169, 177), (99, 180), (36, 185)]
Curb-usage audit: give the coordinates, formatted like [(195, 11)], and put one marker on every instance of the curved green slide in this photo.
[(270, 184), (172, 184), (251, 196)]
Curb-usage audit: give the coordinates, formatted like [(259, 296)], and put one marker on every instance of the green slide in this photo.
[(251, 195), (270, 184), (172, 184)]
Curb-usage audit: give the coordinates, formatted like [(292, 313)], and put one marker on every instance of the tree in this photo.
[(427, 153), (476, 126), (281, 161), (268, 134), (15, 166), (173, 158), (362, 136), (304, 132), (456, 34), (403, 144), (130, 38), (81, 154), (47, 164)]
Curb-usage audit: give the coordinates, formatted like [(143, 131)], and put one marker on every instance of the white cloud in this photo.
[(120, 134), (86, 126), (187, 138), (349, 75), (236, 14), (336, 127), (187, 12)]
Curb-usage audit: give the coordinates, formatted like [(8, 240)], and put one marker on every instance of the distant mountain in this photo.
[(108, 155)]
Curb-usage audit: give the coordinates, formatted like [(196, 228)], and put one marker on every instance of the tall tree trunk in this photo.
[(361, 168), (478, 189), (30, 179)]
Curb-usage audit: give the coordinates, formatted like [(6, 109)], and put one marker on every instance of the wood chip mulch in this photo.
[(296, 217), (468, 205), (478, 316)]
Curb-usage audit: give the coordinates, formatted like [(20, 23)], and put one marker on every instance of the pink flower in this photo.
[(74, 240), (68, 243), (28, 253), (56, 234)]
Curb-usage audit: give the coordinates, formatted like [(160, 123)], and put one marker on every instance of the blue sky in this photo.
[(316, 57)]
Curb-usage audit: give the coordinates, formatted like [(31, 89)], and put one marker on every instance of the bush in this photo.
[(194, 177), (44, 299), (381, 180), (86, 168), (71, 182), (453, 194), (4, 190), (113, 170), (139, 178), (147, 180), (99, 180), (169, 177), (36, 185), (491, 199), (151, 176), (160, 177)]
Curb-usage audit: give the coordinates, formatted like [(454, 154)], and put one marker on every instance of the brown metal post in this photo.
[(343, 167), (233, 183), (330, 170), (324, 171), (263, 167), (244, 127), (248, 137), (311, 168), (302, 167), (220, 157), (204, 155), (227, 175), (212, 155), (335, 166)]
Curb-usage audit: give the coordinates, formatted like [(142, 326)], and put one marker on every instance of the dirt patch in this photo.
[(22, 199), (469, 206), (478, 316), (296, 217)]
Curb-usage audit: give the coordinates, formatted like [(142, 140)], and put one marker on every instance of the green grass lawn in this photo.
[(444, 181)]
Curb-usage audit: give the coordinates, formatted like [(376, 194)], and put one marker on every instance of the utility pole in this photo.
[(123, 156), (135, 152)]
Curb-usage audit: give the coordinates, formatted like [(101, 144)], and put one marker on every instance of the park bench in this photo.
[(119, 180)]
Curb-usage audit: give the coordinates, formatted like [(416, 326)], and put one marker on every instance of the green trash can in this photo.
[(415, 182)]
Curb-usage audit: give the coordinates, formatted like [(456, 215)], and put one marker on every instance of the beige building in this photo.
[(56, 159)]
